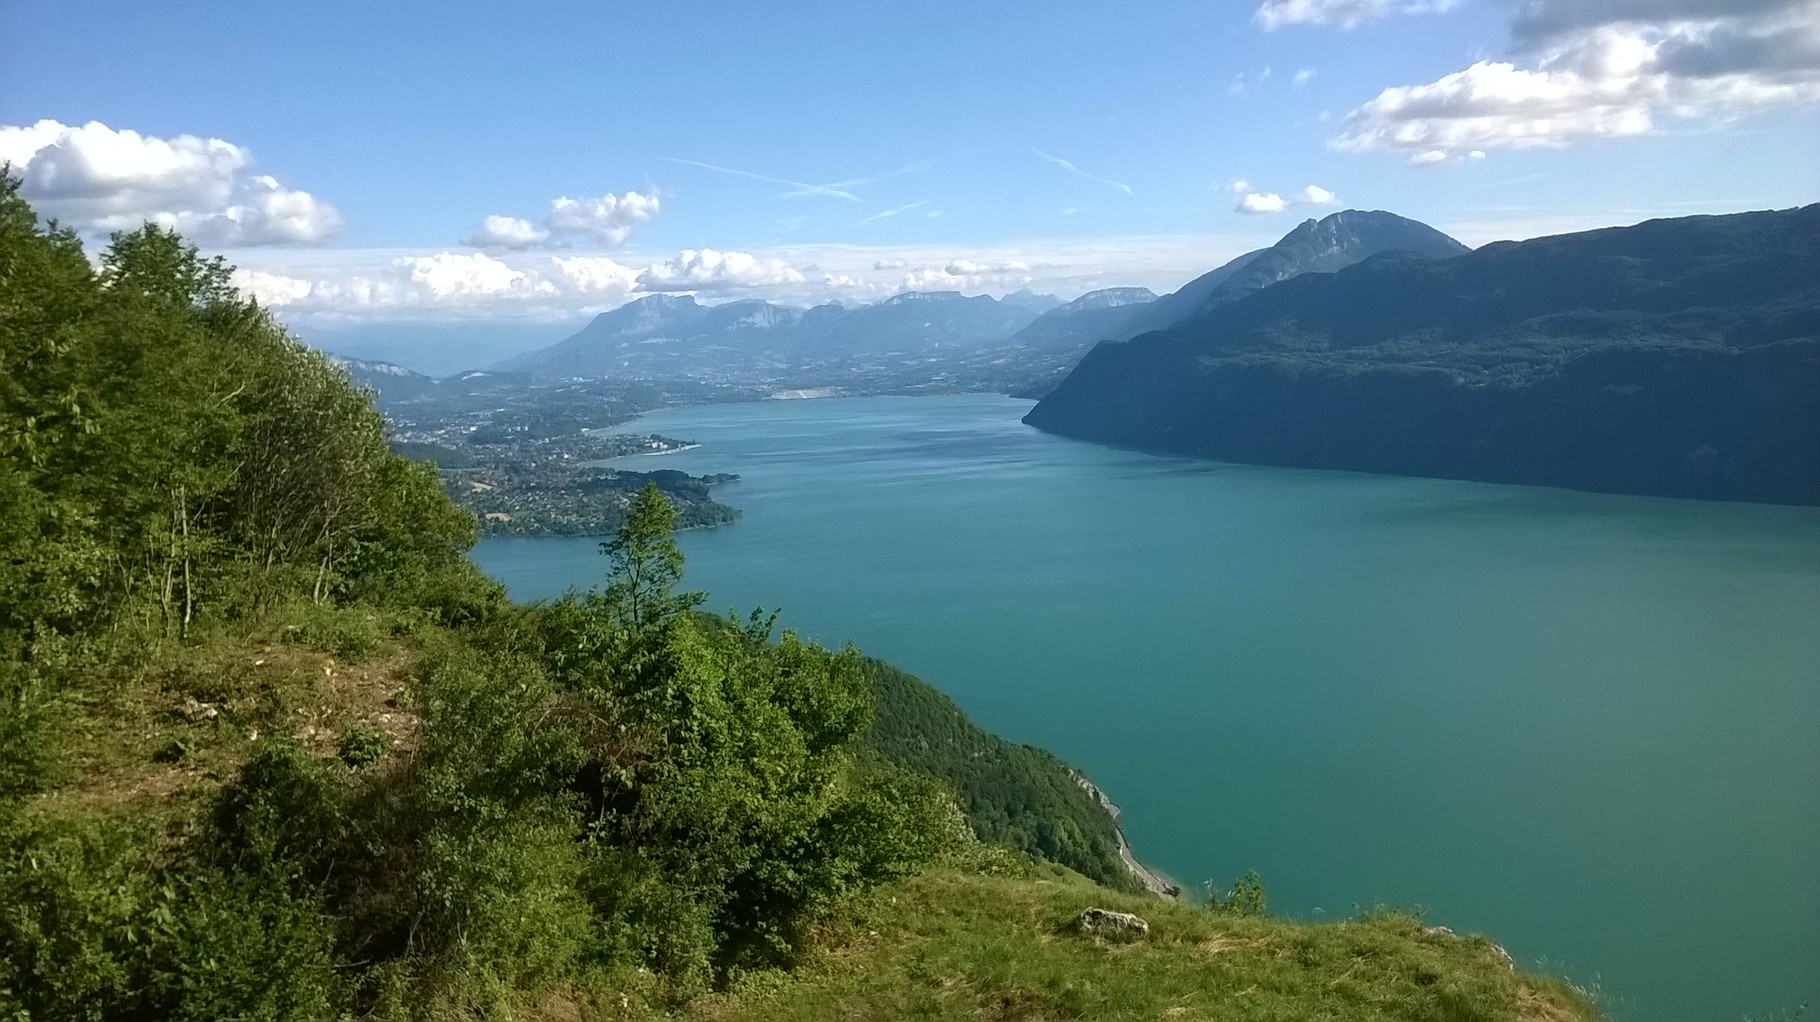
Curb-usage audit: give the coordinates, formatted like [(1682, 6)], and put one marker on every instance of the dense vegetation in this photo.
[(272, 749), (1676, 357), (553, 498), (1014, 795)]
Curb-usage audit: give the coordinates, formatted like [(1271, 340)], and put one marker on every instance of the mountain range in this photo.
[(756, 342), (1677, 357)]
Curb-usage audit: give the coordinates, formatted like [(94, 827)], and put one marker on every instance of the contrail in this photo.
[(892, 212), (838, 189), (1072, 169)]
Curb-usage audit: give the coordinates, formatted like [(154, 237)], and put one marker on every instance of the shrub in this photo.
[(236, 947), (72, 899), (498, 864), (1245, 898), (364, 745), (283, 818), (29, 712)]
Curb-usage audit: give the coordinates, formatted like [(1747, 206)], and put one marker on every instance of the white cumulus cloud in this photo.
[(709, 270), (1257, 202), (1274, 14), (607, 220), (1261, 202), (507, 232), (97, 178), (592, 274), (967, 275), (459, 275), (272, 289), (1603, 70)]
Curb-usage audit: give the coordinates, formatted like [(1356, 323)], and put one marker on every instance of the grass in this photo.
[(154, 728), (951, 945)]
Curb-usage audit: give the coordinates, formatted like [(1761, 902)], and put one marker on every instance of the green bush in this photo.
[(496, 877), (29, 712), (284, 818), (1246, 897), (73, 921), (90, 928), (364, 745), (237, 947)]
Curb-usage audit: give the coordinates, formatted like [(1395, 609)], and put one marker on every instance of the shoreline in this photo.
[(1153, 881), (659, 454)]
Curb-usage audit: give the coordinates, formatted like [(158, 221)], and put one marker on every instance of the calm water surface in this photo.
[(1586, 725)]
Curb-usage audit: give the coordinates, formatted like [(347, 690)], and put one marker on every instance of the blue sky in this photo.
[(347, 155)]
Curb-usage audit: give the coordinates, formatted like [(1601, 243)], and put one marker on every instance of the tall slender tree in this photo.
[(647, 565)]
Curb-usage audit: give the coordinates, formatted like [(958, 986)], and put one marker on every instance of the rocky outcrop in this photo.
[(1104, 922), (1153, 881)]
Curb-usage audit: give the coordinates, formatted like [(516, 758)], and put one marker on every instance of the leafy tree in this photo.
[(646, 565)]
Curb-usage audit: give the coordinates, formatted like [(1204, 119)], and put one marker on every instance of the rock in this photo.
[(1103, 922), (1497, 950), (196, 711)]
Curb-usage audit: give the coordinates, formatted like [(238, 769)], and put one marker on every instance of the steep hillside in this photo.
[(1676, 357), (608, 339), (1092, 317), (1315, 246)]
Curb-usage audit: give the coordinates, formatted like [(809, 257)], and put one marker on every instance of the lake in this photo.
[(1586, 725)]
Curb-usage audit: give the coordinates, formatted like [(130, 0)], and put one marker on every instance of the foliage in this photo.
[(1015, 795), (94, 929), (364, 745), (167, 451), (647, 564), (1246, 897), (28, 738)]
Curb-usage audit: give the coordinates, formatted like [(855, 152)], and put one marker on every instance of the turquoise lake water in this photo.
[(1586, 725)]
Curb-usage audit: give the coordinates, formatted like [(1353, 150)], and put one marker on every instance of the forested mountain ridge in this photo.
[(271, 748), (1676, 357)]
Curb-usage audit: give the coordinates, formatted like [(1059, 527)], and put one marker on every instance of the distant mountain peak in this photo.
[(1375, 229), (668, 302), (1112, 298)]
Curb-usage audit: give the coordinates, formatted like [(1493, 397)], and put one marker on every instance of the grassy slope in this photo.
[(949, 945), (151, 734)]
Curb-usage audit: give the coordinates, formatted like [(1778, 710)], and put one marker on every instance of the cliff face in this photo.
[(1678, 358)]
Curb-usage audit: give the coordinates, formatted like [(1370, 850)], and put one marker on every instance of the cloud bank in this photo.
[(1274, 14), (96, 179), (1586, 70)]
